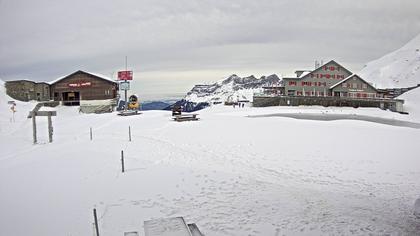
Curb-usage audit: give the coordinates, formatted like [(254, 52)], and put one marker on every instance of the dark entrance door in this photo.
[(71, 98)]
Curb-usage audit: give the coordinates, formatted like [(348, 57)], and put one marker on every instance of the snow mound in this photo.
[(412, 103), (8, 121), (417, 208), (398, 69)]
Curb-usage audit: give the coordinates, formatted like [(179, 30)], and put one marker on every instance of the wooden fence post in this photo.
[(129, 133), (122, 161), (50, 129), (90, 133), (96, 221), (34, 126)]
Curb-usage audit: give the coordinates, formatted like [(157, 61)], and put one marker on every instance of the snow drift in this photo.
[(412, 103)]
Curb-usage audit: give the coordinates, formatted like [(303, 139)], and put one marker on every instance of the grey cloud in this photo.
[(46, 38)]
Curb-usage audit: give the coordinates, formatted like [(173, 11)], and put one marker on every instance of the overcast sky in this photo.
[(187, 41)]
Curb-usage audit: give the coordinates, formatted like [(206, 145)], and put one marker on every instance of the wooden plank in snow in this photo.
[(175, 226)]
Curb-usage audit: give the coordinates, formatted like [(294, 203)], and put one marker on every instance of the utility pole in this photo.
[(126, 102)]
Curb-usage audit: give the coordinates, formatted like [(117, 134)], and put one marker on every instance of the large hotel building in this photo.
[(328, 85), (330, 79)]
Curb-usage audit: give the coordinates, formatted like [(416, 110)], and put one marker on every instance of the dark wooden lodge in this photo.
[(83, 86)]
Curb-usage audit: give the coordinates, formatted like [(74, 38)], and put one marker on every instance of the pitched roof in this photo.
[(22, 80), (99, 76), (349, 77), (332, 61), (306, 73)]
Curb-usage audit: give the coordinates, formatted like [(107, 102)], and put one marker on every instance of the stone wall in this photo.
[(24, 90), (391, 104)]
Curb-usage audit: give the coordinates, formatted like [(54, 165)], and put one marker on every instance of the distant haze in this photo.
[(172, 45)]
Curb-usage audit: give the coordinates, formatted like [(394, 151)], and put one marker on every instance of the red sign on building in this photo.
[(125, 75), (82, 84)]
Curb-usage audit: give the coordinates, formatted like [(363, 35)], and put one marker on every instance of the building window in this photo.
[(354, 85), (344, 85), (364, 86), (292, 83)]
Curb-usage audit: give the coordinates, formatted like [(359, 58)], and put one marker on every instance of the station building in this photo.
[(69, 89), (25, 90), (92, 92), (82, 86)]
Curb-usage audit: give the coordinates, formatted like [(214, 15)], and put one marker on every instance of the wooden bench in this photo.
[(174, 226), (186, 117)]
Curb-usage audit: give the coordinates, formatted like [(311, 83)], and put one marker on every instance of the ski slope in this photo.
[(228, 173), (398, 69)]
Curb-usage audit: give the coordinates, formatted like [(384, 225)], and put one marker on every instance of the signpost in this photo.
[(125, 85), (13, 109), (125, 76), (34, 114)]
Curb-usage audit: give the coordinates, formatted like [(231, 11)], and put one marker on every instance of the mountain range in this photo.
[(233, 88)]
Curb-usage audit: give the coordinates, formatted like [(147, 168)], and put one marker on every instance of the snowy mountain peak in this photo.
[(232, 86), (398, 69), (229, 79)]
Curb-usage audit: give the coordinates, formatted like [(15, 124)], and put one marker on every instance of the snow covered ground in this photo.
[(411, 103), (228, 173)]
